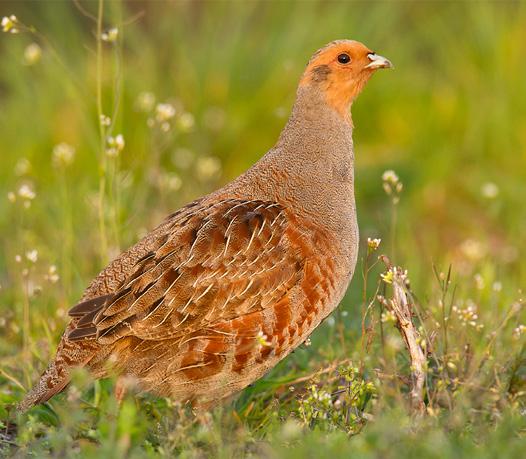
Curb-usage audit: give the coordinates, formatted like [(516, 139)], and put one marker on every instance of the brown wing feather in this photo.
[(86, 307), (224, 261)]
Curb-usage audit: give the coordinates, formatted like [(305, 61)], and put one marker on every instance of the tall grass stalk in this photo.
[(102, 139)]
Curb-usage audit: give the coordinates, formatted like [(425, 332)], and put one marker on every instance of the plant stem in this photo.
[(394, 219), (102, 140), (365, 273)]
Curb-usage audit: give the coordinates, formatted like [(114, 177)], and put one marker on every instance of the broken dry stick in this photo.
[(401, 306)]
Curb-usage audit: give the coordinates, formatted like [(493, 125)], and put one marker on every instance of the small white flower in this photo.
[(32, 54), (52, 275), (489, 190), (32, 255), (26, 192), (5, 22), (22, 166), (307, 342), (186, 122), (74, 394), (11, 196), (373, 244), (63, 154), (468, 315), (105, 120), (110, 35), (18, 258), (170, 181), (479, 281), (164, 112), (182, 158), (115, 145), (519, 331), (472, 249), (390, 176), (33, 289), (112, 152), (9, 24), (392, 185), (208, 167), (145, 101), (119, 142)]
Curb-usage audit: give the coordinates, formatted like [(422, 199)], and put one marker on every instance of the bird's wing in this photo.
[(222, 261)]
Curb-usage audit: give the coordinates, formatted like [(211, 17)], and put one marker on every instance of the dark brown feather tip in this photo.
[(88, 306)]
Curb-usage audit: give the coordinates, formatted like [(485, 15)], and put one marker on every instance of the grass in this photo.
[(449, 120)]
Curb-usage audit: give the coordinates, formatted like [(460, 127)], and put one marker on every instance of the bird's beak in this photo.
[(378, 62)]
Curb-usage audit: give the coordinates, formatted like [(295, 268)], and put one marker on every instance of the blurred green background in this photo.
[(450, 120)]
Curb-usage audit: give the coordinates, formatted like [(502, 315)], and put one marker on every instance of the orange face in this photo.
[(340, 70)]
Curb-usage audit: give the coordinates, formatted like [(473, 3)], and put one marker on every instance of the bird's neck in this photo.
[(311, 167), (316, 138), (314, 119)]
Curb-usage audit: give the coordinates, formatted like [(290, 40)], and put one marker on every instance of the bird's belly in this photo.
[(220, 364)]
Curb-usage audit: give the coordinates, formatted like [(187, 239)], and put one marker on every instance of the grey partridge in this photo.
[(230, 284)]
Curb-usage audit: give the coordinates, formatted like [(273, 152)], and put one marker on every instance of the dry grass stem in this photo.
[(401, 306)]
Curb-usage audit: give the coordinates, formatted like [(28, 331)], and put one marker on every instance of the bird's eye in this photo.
[(344, 58)]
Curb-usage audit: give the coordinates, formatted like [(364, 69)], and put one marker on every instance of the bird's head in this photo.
[(340, 70)]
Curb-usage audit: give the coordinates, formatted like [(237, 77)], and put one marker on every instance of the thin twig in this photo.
[(84, 11), (325, 370)]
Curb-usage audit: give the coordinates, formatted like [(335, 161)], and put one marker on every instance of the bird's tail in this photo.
[(53, 380), (70, 355)]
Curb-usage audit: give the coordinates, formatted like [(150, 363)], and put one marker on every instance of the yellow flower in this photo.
[(388, 277), (262, 339), (9, 24)]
